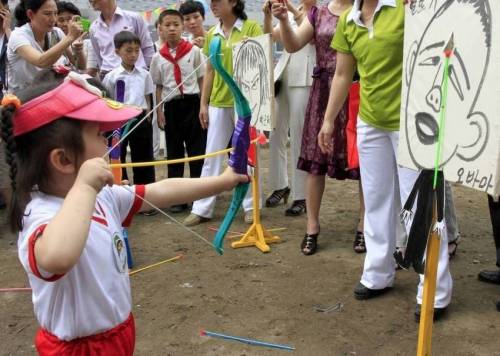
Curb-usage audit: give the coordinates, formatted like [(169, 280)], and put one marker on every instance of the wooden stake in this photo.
[(424, 346)]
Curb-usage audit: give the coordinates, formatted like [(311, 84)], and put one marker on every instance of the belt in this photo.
[(186, 96)]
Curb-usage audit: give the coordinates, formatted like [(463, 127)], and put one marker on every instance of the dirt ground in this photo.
[(275, 296)]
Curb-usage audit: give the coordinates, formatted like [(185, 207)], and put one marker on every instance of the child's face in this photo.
[(171, 28), (94, 141), (129, 53), (194, 23)]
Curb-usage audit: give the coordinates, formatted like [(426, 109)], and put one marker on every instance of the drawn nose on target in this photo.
[(433, 99)]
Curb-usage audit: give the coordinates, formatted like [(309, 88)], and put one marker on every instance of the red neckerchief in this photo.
[(182, 49)]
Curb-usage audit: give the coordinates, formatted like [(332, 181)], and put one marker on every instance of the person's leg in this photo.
[(174, 115), (493, 276), (379, 176), (141, 150), (278, 176), (494, 206), (451, 220), (195, 137), (315, 187), (298, 98), (220, 129), (359, 244)]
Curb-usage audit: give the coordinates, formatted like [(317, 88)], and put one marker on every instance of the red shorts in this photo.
[(119, 341)]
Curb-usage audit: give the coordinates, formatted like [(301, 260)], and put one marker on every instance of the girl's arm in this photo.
[(208, 80), (293, 41), (59, 248), (175, 191), (48, 58), (341, 82)]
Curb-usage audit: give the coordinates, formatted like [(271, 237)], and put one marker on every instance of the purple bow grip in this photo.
[(240, 141), (115, 152)]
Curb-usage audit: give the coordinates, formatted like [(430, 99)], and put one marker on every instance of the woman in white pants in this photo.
[(294, 74), (378, 56), (217, 103)]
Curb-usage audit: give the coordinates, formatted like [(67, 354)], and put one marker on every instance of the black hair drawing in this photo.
[(252, 56)]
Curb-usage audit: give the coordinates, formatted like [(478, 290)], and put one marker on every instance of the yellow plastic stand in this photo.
[(430, 276), (256, 235)]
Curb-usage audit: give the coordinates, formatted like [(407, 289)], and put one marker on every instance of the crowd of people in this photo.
[(64, 86)]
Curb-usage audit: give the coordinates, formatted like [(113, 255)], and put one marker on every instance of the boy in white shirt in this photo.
[(133, 85), (172, 65)]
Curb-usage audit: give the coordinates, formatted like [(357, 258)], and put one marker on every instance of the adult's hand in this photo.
[(325, 137), (204, 116), (75, 29), (279, 10), (6, 18)]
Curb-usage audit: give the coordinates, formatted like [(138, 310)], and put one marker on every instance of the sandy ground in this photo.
[(275, 296)]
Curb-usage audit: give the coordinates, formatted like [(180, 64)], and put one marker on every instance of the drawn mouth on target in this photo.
[(427, 128)]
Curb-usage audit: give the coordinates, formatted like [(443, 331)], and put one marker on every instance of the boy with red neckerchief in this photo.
[(172, 70)]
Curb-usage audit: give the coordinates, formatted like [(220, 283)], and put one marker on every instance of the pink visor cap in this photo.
[(75, 99)]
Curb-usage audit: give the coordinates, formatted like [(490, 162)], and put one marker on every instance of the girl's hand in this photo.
[(75, 28), (204, 116), (325, 137), (95, 173), (232, 179), (279, 10)]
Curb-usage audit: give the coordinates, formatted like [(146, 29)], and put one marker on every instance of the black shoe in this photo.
[(275, 198), (361, 292), (151, 212), (298, 208), (489, 276), (438, 313), (176, 209)]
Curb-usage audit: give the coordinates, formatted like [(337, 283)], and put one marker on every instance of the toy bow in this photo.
[(240, 142)]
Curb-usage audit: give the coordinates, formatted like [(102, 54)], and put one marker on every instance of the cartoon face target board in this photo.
[(471, 135), (253, 73)]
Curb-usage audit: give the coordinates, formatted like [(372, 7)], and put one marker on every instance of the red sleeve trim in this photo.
[(140, 190), (31, 255)]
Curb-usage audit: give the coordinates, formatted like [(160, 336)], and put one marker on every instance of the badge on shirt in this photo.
[(120, 252)]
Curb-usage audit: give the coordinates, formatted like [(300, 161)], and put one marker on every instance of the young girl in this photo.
[(218, 116), (69, 215), (320, 26)]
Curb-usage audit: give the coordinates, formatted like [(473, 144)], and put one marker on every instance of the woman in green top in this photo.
[(217, 104), (369, 37)]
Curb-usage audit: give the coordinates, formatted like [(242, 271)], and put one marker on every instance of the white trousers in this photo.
[(220, 129), (386, 187), (291, 106)]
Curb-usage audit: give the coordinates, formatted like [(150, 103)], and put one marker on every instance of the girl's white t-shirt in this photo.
[(21, 73), (94, 296)]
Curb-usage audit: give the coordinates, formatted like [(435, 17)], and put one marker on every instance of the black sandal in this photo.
[(359, 245), (275, 198), (309, 244), (452, 247), (298, 208)]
